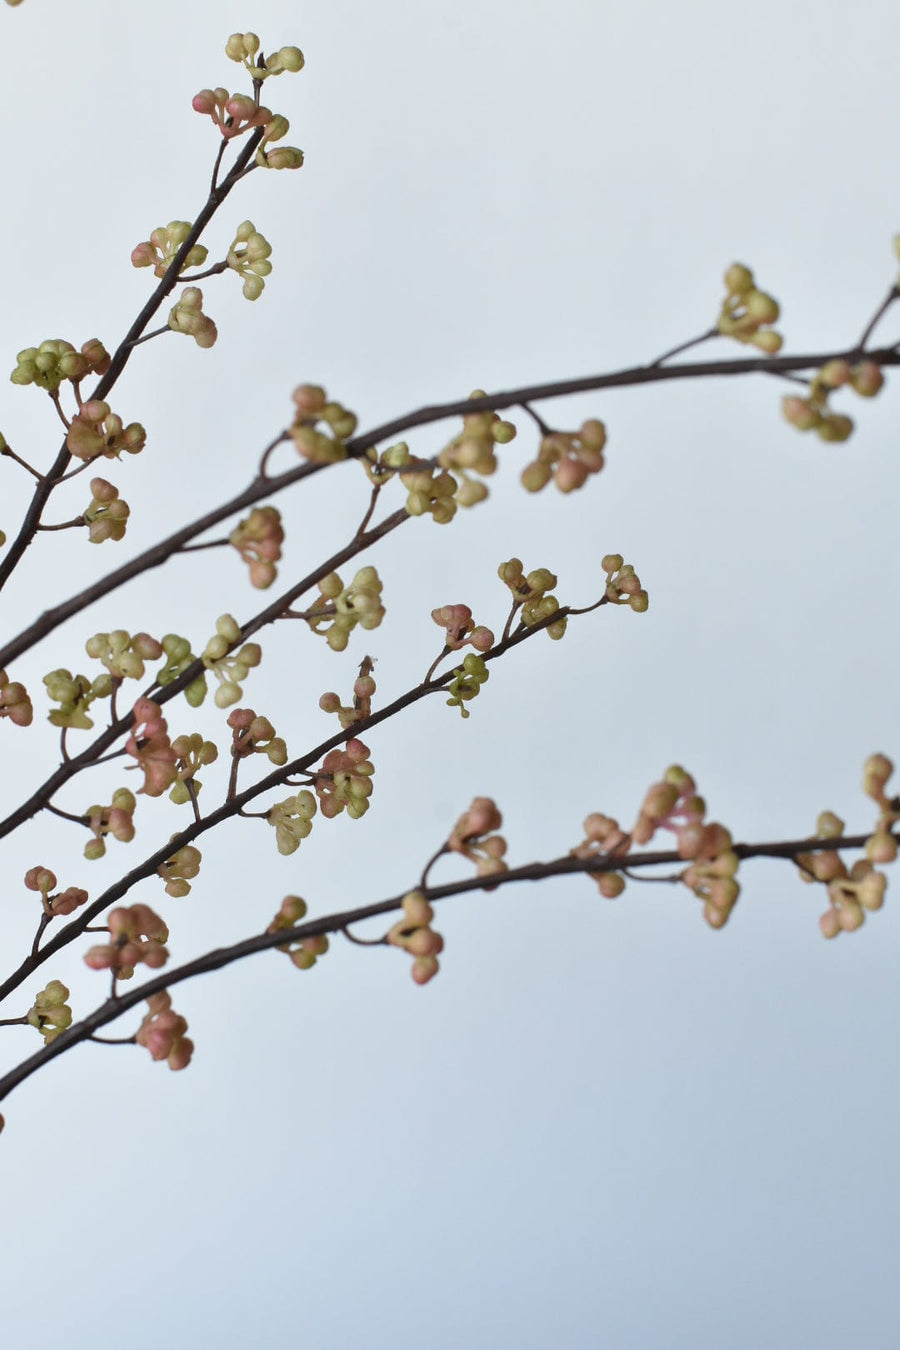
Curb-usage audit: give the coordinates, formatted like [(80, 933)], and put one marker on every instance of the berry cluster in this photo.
[(471, 836), (305, 952), (107, 515), (747, 312), (63, 902), (162, 1032), (415, 935), (50, 1012), (229, 668), (116, 819), (179, 870), (813, 413), (186, 316), (14, 701), (363, 692), (531, 596), (347, 606), (160, 249), (313, 408), (345, 780), (568, 457), (137, 937)]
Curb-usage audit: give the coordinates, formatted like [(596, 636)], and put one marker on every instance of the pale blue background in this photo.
[(603, 1124)]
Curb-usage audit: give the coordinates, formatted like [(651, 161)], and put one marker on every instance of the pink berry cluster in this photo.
[(603, 838), (95, 430), (160, 249), (568, 457), (180, 870), (304, 953), (44, 881), (813, 413), (747, 312), (50, 1013), (346, 606), (531, 595), (414, 934), (107, 515), (363, 693), (137, 937), (116, 819), (345, 781), (851, 893), (252, 735), (460, 628), (258, 539), (162, 1032), (471, 836), (673, 804), (150, 746), (623, 585), (14, 701), (474, 451), (314, 410)]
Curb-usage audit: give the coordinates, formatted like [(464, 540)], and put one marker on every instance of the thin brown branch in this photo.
[(217, 959)]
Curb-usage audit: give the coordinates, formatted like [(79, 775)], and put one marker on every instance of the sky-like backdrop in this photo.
[(602, 1124)]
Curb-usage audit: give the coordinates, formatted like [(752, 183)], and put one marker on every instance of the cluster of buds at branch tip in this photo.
[(258, 539), (431, 491), (531, 595), (414, 934), (305, 952), (313, 409), (244, 48), (568, 457), (95, 430), (233, 114), (179, 656), (229, 668), (56, 360), (249, 257), (162, 1032), (252, 735), (159, 250), (603, 838), (179, 870), (363, 692), (747, 312), (460, 630), (283, 156), (186, 316), (41, 879), (851, 893), (466, 682), (474, 451), (345, 781), (116, 819), (292, 820), (346, 606), (107, 515), (623, 585), (149, 744), (137, 937), (75, 694), (192, 753), (14, 701), (673, 804), (50, 1013), (471, 836), (813, 413), (122, 654)]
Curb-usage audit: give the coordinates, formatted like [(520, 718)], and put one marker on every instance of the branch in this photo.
[(113, 1008)]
